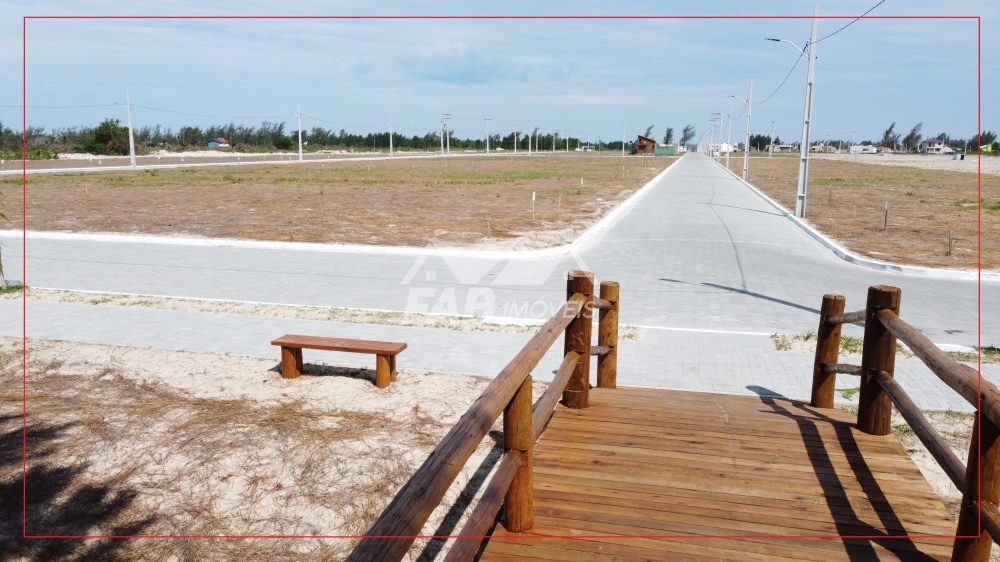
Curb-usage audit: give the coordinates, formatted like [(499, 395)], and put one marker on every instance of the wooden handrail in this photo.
[(547, 402), (601, 304), (483, 515), (600, 350), (961, 378), (938, 449), (392, 534), (846, 318), (824, 382), (843, 368), (990, 518)]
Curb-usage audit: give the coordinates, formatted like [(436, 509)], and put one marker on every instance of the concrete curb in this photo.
[(850, 257), (612, 217)]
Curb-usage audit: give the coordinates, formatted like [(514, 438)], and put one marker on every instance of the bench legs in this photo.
[(384, 370), (291, 362), (291, 366)]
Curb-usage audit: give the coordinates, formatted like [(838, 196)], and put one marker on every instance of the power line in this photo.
[(60, 106), (212, 116), (851, 22), (817, 41), (783, 81)]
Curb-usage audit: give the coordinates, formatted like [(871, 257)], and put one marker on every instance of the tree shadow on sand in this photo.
[(64, 500)]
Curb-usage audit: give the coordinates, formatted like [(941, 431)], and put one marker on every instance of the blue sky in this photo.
[(584, 77)]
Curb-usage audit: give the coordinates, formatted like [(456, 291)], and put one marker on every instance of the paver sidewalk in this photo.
[(729, 363)]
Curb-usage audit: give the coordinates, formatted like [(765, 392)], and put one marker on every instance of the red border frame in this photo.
[(24, 256)]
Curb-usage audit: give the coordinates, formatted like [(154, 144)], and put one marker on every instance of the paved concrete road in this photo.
[(697, 250)]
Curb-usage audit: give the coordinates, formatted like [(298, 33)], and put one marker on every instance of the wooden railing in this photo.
[(392, 534), (979, 478)]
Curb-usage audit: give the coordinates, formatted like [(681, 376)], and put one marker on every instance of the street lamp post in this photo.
[(803, 181), (487, 134), (746, 149), (770, 149), (729, 135)]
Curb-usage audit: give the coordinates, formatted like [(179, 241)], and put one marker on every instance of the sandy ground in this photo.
[(847, 198), (478, 202), (991, 164), (142, 441)]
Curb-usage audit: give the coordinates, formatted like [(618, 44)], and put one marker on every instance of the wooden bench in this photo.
[(385, 354)]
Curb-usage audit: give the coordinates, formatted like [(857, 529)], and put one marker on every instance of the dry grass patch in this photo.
[(847, 203), (402, 202), (125, 441)]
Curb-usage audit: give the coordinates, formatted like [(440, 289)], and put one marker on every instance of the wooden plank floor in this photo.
[(646, 463)]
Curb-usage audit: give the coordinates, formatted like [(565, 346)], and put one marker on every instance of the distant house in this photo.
[(934, 146), (645, 145), (780, 148), (217, 143)]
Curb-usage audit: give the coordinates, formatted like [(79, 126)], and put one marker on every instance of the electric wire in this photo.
[(817, 41), (851, 22)]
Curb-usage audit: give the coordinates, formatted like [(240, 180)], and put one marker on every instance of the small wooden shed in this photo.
[(645, 145)]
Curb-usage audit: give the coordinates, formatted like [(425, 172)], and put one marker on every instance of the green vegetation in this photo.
[(851, 345), (108, 138), (902, 429), (11, 289), (848, 393)]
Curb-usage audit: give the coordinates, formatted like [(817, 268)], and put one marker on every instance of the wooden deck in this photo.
[(654, 463)]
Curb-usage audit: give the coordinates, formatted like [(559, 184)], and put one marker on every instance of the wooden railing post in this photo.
[(518, 514), (879, 354), (578, 334), (827, 352), (607, 335), (982, 483)]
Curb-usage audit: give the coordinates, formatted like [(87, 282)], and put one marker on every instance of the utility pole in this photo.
[(300, 132), (131, 139), (530, 134), (729, 135), (487, 135), (442, 138), (554, 141), (390, 137), (567, 141), (803, 183), (515, 139), (770, 150), (746, 153), (623, 138), (447, 132)]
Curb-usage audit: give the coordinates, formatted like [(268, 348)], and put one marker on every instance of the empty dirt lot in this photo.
[(847, 202), (458, 201)]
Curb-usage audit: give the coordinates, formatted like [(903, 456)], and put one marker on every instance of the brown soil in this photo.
[(847, 203), (128, 441), (454, 201)]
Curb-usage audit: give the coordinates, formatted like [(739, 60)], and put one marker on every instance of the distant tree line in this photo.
[(110, 137), (899, 142)]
